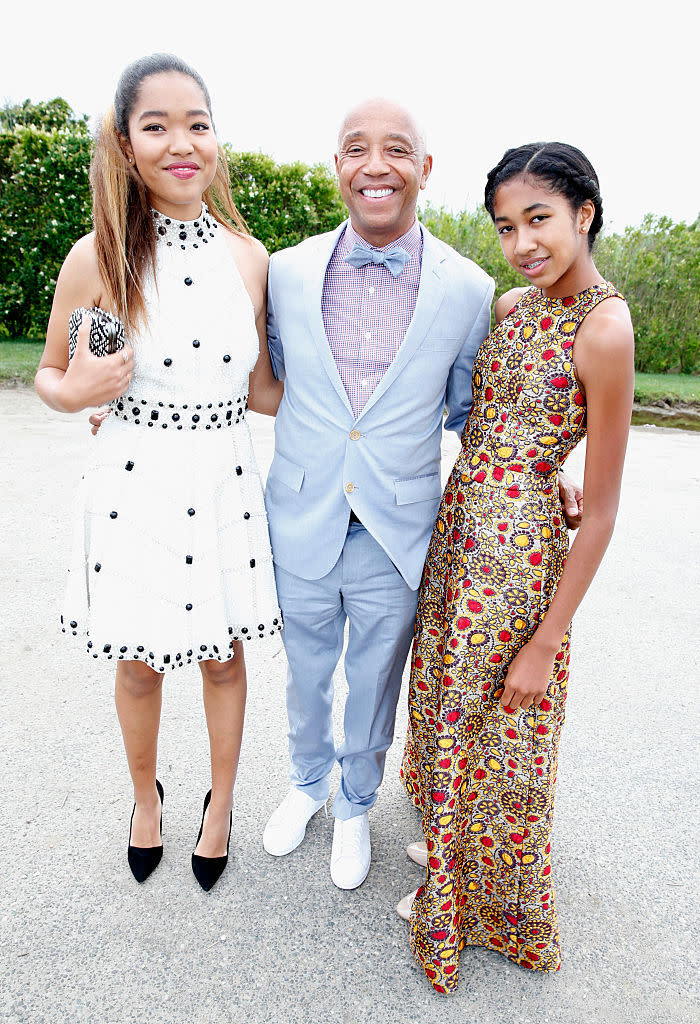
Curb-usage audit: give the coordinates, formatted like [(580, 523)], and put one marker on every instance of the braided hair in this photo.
[(559, 167)]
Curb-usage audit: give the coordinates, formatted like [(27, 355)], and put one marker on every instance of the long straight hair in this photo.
[(125, 239)]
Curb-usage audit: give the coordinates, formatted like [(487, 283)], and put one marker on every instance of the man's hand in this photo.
[(571, 497), (98, 418)]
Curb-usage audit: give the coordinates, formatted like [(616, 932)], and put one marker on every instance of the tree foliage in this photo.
[(284, 203), (656, 266), (45, 208)]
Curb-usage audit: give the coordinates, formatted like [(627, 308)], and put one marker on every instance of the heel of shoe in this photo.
[(143, 860), (208, 870)]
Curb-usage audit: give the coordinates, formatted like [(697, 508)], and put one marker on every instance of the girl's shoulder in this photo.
[(80, 273), (608, 326), (248, 251), (506, 302)]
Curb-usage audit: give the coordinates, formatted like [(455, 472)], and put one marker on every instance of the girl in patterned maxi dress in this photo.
[(491, 653), (171, 557)]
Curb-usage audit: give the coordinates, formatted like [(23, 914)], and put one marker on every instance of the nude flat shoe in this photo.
[(418, 853), (403, 907)]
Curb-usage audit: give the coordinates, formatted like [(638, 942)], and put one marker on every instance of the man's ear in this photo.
[(427, 168)]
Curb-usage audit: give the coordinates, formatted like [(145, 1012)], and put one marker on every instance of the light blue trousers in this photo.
[(365, 588)]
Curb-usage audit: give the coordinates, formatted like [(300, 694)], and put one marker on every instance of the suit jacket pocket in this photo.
[(286, 471), (418, 488), (441, 345)]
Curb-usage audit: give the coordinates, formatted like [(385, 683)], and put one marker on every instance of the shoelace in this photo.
[(350, 839)]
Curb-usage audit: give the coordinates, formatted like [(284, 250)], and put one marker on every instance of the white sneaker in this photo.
[(351, 854), (287, 825)]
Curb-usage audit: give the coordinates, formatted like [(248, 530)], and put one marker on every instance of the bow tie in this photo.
[(393, 259)]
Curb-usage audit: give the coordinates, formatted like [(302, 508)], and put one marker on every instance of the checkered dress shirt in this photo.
[(366, 312)]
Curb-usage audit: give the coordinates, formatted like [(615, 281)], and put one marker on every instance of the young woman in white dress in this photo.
[(171, 560)]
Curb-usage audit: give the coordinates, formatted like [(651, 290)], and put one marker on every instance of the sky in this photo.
[(615, 78)]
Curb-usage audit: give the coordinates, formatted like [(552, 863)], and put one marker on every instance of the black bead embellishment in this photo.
[(188, 281), (239, 471), (98, 566), (188, 607), (112, 515), (190, 511), (188, 559), (252, 563), (227, 358), (246, 515), (107, 648), (167, 362), (195, 343)]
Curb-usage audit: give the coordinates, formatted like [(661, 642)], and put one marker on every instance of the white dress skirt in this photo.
[(171, 559)]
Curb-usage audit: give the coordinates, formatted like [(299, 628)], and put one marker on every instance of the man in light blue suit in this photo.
[(373, 327)]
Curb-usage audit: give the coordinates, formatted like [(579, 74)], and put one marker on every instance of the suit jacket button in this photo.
[(355, 435), (349, 488)]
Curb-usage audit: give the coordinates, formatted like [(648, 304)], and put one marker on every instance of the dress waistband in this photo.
[(199, 416)]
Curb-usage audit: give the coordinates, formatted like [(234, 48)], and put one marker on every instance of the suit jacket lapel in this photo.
[(313, 291), (431, 291)]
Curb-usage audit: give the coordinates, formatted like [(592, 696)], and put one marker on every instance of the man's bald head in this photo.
[(382, 165), (381, 109)]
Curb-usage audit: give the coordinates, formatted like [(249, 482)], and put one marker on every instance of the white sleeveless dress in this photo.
[(171, 556)]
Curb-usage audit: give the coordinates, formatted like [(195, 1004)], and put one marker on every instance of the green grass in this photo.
[(670, 387), (19, 360)]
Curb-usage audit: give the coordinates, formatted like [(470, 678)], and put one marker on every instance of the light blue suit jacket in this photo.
[(384, 464)]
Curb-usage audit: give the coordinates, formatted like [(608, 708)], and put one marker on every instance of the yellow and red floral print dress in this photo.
[(484, 779)]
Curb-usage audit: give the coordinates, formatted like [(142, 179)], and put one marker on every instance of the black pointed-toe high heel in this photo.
[(208, 870), (143, 860)]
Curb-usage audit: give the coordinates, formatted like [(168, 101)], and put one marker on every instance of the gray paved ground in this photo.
[(276, 941)]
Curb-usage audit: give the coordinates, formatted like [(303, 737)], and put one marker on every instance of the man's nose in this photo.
[(376, 161)]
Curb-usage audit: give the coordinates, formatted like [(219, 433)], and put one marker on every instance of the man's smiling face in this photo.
[(381, 165)]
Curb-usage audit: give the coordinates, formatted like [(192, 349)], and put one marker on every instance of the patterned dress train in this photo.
[(483, 778)]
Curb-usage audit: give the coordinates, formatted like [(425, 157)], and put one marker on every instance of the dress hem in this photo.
[(218, 651)]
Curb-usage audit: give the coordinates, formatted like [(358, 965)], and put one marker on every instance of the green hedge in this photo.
[(45, 207)]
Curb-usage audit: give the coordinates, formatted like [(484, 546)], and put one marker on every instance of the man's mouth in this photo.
[(376, 193)]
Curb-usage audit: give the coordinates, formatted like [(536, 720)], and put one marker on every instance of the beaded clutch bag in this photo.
[(107, 333)]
